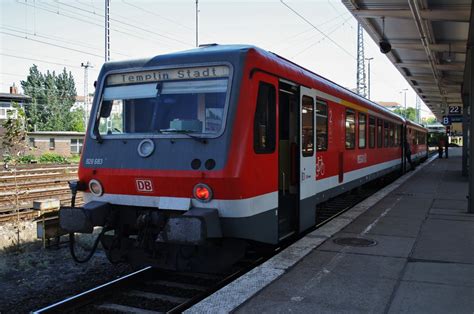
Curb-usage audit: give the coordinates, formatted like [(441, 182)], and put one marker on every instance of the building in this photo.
[(64, 143), (390, 105), (8, 99)]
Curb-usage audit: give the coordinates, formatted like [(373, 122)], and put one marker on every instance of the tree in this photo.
[(410, 113), (429, 120), (14, 138), (14, 143), (52, 99), (76, 120)]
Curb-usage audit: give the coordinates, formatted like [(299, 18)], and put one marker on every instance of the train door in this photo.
[(288, 159), (307, 157)]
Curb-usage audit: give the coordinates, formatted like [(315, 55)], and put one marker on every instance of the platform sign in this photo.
[(452, 118), (446, 120), (455, 118), (455, 110)]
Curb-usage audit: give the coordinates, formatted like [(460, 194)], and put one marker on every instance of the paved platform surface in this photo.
[(423, 261)]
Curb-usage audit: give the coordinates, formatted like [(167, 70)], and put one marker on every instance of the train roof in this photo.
[(413, 123), (236, 53)]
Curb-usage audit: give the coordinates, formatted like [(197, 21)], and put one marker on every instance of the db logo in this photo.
[(144, 185)]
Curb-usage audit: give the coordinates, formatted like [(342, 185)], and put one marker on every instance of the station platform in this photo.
[(421, 260)]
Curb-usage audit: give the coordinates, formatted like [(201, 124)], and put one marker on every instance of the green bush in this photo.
[(74, 159), (7, 159), (52, 158), (25, 159)]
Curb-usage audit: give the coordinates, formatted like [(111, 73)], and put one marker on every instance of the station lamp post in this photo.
[(368, 77), (404, 91)]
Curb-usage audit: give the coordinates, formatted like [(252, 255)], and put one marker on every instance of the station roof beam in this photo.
[(428, 40)]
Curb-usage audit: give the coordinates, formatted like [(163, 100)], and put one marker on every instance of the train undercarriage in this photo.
[(164, 239)]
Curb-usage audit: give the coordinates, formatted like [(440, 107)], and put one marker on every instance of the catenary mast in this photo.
[(361, 85)]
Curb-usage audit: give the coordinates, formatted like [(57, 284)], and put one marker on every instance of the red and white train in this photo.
[(191, 155)]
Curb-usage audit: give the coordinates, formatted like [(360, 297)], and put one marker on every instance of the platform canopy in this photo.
[(428, 41)]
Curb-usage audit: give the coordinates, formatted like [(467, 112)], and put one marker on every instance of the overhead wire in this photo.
[(11, 74), (22, 54), (39, 60), (292, 46), (52, 44), (332, 5), (121, 16), (125, 23), (317, 29), (55, 38), (88, 21), (158, 15), (330, 39), (320, 40)]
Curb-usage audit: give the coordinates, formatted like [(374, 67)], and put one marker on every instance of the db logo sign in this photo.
[(144, 185)]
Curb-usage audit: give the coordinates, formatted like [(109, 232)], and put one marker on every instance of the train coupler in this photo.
[(193, 227), (84, 219)]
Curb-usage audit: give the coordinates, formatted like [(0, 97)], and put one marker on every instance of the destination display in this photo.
[(168, 75)]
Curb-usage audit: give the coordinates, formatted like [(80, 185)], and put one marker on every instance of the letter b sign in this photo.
[(446, 120)]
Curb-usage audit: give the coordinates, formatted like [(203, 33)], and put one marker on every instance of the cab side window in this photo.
[(307, 127), (264, 127)]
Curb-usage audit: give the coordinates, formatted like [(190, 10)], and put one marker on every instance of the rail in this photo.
[(20, 187), (148, 290)]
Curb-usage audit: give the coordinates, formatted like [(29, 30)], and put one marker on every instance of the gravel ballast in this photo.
[(32, 277)]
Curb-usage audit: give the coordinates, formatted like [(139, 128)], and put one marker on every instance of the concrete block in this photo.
[(47, 204)]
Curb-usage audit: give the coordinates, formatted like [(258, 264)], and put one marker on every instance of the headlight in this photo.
[(95, 187), (202, 192), (146, 148)]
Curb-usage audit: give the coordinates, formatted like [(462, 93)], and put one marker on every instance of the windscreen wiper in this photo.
[(187, 133), (96, 132)]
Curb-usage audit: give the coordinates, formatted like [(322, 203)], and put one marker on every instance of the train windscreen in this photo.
[(165, 102)]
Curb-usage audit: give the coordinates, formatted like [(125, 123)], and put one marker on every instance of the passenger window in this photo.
[(307, 126), (350, 129), (264, 122), (379, 132), (371, 132), (362, 130), (321, 125), (396, 134), (399, 131), (392, 135), (386, 132)]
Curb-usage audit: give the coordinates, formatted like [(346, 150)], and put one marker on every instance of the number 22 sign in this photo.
[(454, 109)]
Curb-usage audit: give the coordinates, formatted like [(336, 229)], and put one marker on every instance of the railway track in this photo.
[(28, 183), (154, 291), (148, 290)]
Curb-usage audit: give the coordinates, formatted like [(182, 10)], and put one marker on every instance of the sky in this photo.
[(54, 34)]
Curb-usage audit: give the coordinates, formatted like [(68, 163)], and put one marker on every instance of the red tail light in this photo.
[(202, 192)]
